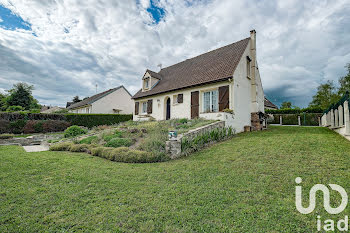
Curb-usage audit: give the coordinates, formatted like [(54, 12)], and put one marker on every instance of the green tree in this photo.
[(21, 95), (344, 82), (2, 102), (325, 96), (76, 99), (286, 105)]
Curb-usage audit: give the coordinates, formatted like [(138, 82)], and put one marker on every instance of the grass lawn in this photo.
[(245, 184)]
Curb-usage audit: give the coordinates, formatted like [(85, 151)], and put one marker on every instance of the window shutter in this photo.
[(149, 106), (224, 97), (137, 108), (180, 98)]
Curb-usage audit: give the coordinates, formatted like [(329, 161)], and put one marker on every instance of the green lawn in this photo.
[(245, 184)]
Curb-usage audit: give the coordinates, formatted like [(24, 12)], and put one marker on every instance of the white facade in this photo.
[(116, 102), (240, 98)]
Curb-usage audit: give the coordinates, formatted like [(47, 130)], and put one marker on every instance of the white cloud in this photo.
[(81, 43), (1, 20)]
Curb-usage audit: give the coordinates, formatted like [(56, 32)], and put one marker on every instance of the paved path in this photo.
[(36, 148)]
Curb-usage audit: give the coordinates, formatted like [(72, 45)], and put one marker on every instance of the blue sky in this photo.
[(11, 21), (64, 49)]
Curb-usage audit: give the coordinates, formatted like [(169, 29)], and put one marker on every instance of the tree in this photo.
[(344, 82), (325, 96), (76, 99), (286, 105), (2, 102), (21, 95)]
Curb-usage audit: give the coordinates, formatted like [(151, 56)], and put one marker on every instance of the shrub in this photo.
[(196, 143), (17, 126), (118, 142), (74, 131), (124, 154), (4, 126), (14, 109), (89, 140), (91, 120), (294, 111), (55, 126), (6, 136), (29, 127), (63, 146), (183, 121), (81, 148)]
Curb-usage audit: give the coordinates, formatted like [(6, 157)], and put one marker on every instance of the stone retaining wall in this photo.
[(173, 147)]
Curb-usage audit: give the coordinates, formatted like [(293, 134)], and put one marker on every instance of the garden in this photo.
[(136, 142)]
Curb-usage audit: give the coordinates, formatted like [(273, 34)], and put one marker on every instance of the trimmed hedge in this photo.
[(32, 126), (91, 120), (42, 123), (310, 119), (294, 111)]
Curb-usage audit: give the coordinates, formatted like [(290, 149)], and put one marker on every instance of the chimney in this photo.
[(253, 70)]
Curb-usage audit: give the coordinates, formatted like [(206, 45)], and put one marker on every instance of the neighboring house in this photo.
[(269, 105), (116, 100), (207, 86), (50, 109)]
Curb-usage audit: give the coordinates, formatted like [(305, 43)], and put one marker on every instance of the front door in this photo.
[(194, 104), (168, 109)]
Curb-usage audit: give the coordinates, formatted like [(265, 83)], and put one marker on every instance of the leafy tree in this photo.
[(76, 99), (286, 105), (344, 82), (2, 102), (325, 96), (21, 95)]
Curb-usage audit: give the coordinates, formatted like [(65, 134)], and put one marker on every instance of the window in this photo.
[(144, 107), (248, 66), (147, 83), (178, 99), (210, 101)]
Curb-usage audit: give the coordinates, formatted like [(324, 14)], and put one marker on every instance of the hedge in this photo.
[(294, 111), (307, 119), (91, 120), (32, 126), (30, 116), (87, 120)]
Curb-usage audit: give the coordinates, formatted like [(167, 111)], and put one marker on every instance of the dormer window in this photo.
[(147, 83)]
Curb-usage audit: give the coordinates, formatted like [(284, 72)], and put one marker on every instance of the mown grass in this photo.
[(245, 184)]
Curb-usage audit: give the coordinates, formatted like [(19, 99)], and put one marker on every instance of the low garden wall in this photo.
[(28, 123), (174, 147)]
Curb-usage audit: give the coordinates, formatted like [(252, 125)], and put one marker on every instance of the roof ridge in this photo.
[(205, 53)]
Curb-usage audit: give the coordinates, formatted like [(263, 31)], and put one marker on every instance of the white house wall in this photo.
[(178, 110), (242, 94), (119, 99)]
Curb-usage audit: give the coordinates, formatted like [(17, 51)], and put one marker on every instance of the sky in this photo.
[(65, 47)]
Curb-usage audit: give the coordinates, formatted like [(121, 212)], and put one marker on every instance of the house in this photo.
[(49, 109), (114, 101), (222, 84), (269, 105)]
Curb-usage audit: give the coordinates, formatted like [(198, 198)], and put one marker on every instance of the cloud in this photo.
[(1, 20), (82, 43)]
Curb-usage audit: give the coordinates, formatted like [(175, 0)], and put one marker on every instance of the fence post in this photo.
[(332, 118), (336, 116), (299, 121), (341, 115), (280, 120), (347, 119)]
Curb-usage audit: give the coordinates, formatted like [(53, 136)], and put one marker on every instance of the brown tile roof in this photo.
[(269, 104), (212, 66), (94, 98)]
